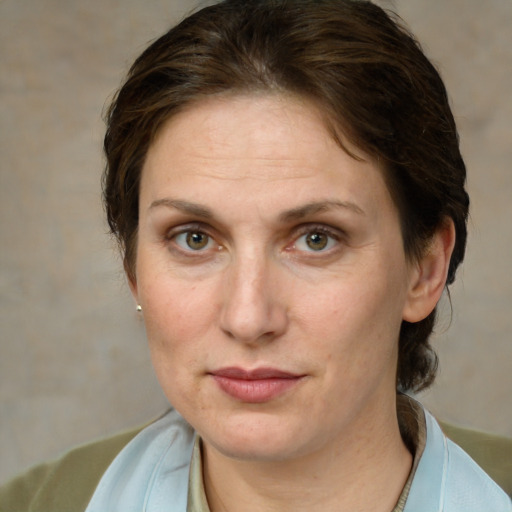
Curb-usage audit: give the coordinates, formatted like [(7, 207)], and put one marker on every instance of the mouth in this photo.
[(255, 386)]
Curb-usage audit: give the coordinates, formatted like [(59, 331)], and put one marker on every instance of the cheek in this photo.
[(343, 305), (169, 297), (355, 321), (177, 315), (174, 330), (356, 337)]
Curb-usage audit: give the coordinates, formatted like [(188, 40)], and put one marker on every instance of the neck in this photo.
[(366, 470)]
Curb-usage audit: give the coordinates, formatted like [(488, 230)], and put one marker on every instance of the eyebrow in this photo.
[(287, 216), (318, 207), (184, 206)]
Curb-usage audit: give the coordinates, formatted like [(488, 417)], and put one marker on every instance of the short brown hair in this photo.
[(362, 68)]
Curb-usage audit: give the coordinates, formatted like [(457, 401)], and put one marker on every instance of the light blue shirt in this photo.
[(447, 479), (151, 474)]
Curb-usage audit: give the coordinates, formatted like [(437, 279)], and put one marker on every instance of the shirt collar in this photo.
[(411, 419)]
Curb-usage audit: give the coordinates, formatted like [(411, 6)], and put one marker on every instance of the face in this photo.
[(272, 277)]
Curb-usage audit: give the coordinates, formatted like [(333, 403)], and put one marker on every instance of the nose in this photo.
[(253, 310)]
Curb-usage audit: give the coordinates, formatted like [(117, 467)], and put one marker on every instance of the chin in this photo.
[(254, 450), (257, 440)]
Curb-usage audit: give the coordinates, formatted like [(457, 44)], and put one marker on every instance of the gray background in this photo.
[(73, 359)]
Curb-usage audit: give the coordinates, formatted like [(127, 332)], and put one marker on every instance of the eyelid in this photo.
[(314, 227), (334, 233), (184, 228), (185, 244), (199, 227)]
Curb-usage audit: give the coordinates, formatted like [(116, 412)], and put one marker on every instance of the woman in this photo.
[(285, 182)]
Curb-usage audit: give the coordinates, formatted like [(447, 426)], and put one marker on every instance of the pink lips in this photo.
[(254, 386)]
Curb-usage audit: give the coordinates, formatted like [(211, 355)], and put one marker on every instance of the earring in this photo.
[(139, 308)]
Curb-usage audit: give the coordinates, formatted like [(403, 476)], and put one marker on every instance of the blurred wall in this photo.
[(73, 359)]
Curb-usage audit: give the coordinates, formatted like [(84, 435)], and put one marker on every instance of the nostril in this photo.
[(251, 309), (260, 325)]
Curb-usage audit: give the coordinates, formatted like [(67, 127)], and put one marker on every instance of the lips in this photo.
[(255, 386)]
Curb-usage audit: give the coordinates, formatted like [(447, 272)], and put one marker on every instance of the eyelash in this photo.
[(302, 231), (310, 229), (172, 235)]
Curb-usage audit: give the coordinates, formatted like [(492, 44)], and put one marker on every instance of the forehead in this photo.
[(271, 126), (248, 145)]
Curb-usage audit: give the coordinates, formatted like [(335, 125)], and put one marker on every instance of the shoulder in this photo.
[(448, 479), (67, 484), (492, 453), (467, 486)]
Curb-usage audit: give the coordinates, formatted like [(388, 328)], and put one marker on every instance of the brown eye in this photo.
[(197, 241), (317, 241), (193, 240)]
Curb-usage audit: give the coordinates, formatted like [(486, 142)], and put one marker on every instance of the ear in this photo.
[(428, 275)]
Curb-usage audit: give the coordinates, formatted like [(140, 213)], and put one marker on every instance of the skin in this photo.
[(263, 244)]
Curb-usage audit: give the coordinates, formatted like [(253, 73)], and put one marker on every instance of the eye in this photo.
[(193, 241), (315, 241)]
